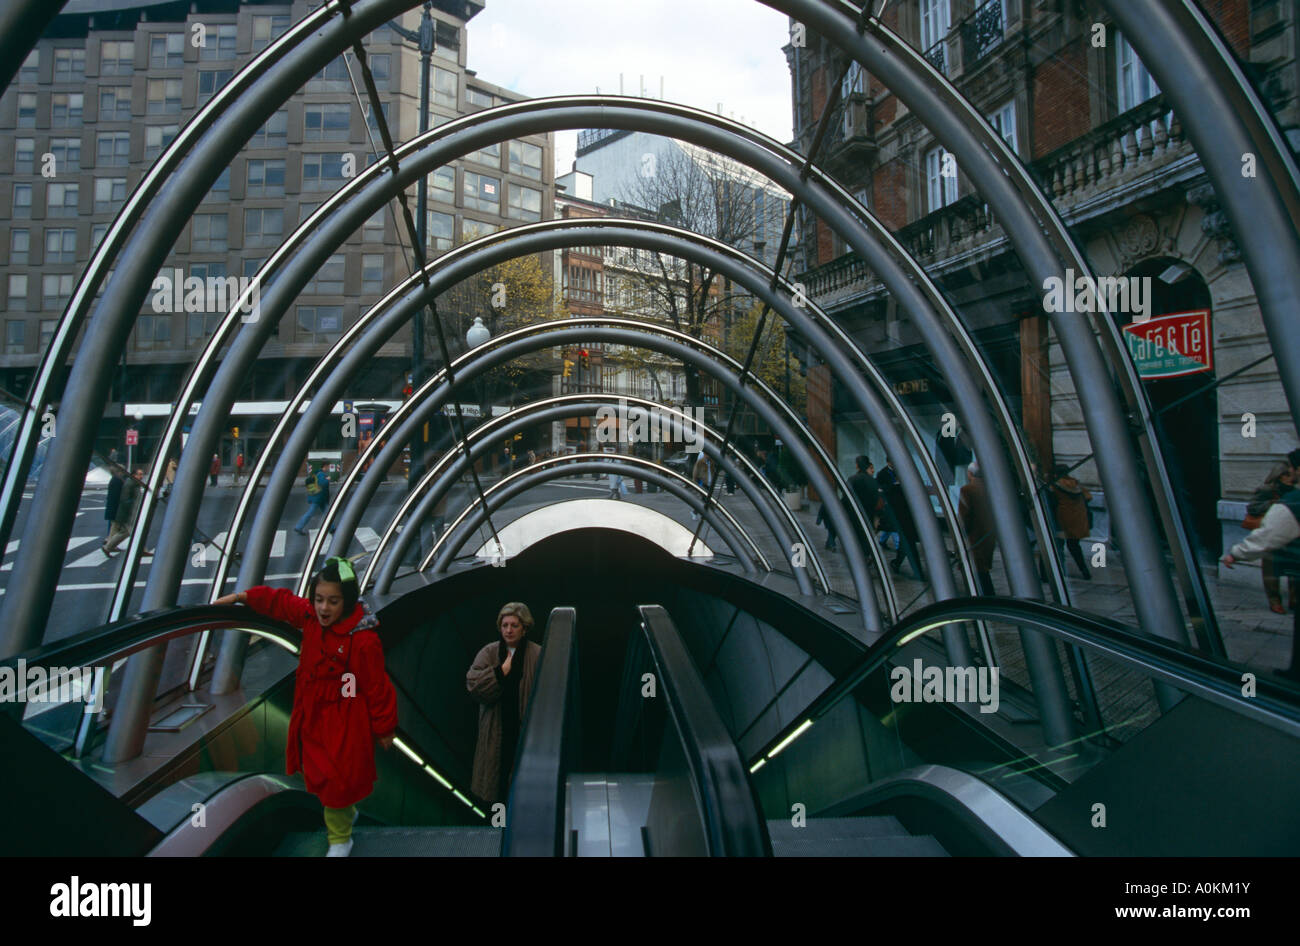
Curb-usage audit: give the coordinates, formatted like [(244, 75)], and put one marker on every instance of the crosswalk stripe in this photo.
[(73, 543), (368, 538)]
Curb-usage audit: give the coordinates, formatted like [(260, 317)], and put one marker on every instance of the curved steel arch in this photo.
[(432, 394), (447, 470), (546, 470)]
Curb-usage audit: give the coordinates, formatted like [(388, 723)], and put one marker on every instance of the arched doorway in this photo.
[(1181, 390)]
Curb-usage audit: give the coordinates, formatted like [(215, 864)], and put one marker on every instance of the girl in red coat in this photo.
[(343, 701)]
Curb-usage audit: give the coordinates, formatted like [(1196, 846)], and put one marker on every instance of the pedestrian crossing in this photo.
[(92, 556)]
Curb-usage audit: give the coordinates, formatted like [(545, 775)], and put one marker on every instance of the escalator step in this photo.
[(400, 842), (872, 826), (899, 846)]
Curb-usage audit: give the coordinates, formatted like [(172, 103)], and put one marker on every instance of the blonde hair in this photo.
[(517, 609)]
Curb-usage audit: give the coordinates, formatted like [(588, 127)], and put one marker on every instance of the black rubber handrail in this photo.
[(535, 812), (1274, 704), (732, 820)]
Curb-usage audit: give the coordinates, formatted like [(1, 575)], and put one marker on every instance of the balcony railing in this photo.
[(981, 32), (937, 55)]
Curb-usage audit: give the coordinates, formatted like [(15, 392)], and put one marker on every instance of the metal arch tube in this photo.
[(1226, 120), (748, 478), (429, 397), (1004, 183), (36, 571), (733, 534)]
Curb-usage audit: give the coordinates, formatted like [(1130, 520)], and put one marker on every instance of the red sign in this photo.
[(1172, 345), (132, 437)]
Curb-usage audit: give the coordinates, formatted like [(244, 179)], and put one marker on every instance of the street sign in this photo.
[(132, 437), (1171, 346)]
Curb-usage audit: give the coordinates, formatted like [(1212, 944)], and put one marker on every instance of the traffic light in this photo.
[(586, 358), (236, 433), (568, 367)]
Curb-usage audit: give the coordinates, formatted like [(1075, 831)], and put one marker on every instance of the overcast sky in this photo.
[(707, 51)]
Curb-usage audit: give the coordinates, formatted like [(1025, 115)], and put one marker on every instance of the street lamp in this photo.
[(478, 333)]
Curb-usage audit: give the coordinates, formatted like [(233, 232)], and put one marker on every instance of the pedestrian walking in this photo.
[(501, 680), (702, 473), (169, 478), (1280, 479), (114, 496), (214, 469), (867, 492), (617, 488), (317, 485), (1279, 533), (131, 490), (896, 520), (239, 468), (831, 535), (976, 515), (1070, 499)]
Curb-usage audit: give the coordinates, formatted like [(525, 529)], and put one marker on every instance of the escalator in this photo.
[(725, 719)]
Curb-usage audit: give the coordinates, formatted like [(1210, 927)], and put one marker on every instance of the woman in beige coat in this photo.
[(501, 681)]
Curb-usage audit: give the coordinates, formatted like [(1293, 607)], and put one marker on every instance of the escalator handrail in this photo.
[(104, 646), (733, 824), (535, 811), (1273, 704)]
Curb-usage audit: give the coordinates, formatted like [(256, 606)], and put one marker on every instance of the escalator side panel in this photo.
[(50, 809)]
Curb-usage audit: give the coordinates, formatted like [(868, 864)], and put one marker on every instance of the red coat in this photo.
[(335, 721)]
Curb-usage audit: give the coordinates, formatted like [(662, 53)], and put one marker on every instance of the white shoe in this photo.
[(340, 850)]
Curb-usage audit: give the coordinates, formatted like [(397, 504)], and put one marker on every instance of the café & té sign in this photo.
[(1171, 346)]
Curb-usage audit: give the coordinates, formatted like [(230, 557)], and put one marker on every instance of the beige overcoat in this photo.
[(481, 681)]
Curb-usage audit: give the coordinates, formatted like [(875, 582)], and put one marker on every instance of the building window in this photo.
[(274, 135), (475, 96), (381, 65), (67, 154), (444, 87), (441, 230), (153, 331), (327, 122), (69, 65), (473, 229), (27, 110), (328, 280), (220, 187), (526, 160), (373, 228), (98, 231), (1135, 84), (482, 192), (263, 226), (61, 200), (15, 336), (372, 122), (934, 21), (219, 43), (940, 187), (210, 80), (265, 178), (113, 149), (116, 57), (525, 203), (24, 155), (66, 109), (109, 192), (166, 51), (47, 332), (322, 171), (268, 28), (56, 290), (115, 104), (17, 292), (442, 185), (30, 71), (1004, 123), (491, 155), (20, 245), (208, 232), (164, 97), (61, 245), (320, 323), (336, 70), (158, 137), (372, 272), (447, 43)]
